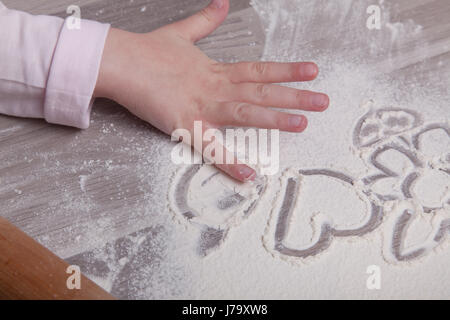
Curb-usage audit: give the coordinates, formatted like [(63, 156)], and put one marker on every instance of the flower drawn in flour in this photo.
[(412, 168)]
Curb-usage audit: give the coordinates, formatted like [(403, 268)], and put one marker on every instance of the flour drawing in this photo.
[(212, 202), (420, 170), (327, 227), (408, 180)]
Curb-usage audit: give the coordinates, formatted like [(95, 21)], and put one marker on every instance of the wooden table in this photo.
[(84, 192)]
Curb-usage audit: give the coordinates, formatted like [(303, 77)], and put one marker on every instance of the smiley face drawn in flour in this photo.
[(213, 202)]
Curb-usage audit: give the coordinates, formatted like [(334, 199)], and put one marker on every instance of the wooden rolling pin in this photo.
[(30, 271)]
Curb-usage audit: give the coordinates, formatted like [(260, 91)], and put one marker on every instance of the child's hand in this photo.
[(163, 78)]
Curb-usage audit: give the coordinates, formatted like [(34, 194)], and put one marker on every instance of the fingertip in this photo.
[(309, 70), (245, 173), (297, 123), (220, 5), (304, 124), (203, 23), (327, 103), (314, 68), (320, 102), (251, 178)]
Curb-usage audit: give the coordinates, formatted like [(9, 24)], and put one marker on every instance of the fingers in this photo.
[(204, 22), (249, 115), (214, 152), (269, 72), (235, 168), (239, 172), (280, 97)]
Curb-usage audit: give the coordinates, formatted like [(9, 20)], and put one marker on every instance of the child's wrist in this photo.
[(106, 77)]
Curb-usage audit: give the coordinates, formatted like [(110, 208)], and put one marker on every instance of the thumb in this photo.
[(204, 22)]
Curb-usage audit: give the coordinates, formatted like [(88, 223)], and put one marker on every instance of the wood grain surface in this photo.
[(60, 185)]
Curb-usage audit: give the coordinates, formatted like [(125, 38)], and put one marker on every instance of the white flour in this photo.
[(377, 157), (338, 228), (211, 198)]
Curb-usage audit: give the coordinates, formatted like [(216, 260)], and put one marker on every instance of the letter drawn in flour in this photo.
[(208, 199)]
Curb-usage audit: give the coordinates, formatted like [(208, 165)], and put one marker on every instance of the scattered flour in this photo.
[(379, 123), (380, 216), (383, 199)]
